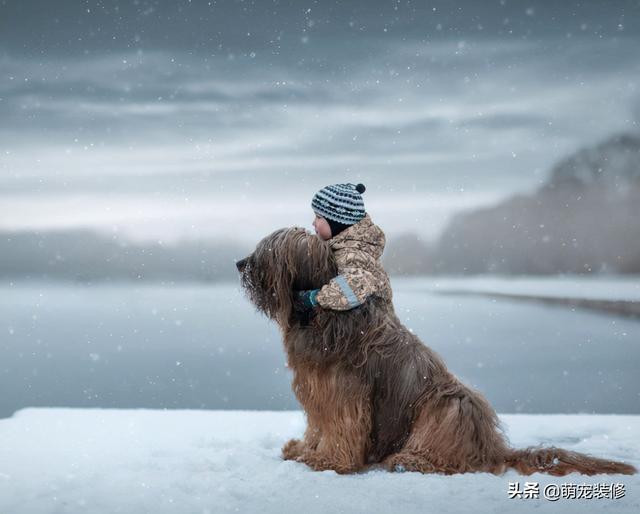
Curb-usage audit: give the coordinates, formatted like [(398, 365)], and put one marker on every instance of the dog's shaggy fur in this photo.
[(371, 391)]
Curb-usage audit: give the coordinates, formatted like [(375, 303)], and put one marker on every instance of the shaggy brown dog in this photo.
[(371, 391)]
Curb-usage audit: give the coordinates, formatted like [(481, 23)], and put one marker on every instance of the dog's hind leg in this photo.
[(455, 432)]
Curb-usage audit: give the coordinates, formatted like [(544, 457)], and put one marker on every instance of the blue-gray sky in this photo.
[(161, 120)]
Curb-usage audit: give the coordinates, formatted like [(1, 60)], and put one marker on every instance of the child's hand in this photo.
[(305, 300)]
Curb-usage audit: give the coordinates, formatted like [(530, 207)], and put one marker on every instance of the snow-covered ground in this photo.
[(185, 461), (597, 287)]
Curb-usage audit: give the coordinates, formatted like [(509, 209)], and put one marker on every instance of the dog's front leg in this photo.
[(294, 448), (344, 442)]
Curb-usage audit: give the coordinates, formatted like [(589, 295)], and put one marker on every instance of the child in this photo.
[(357, 245)]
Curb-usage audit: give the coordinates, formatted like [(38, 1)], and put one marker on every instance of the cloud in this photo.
[(479, 116)]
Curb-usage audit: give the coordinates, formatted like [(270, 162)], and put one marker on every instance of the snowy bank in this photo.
[(591, 287), (186, 461)]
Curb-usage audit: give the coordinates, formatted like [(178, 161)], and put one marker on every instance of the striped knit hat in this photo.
[(341, 203)]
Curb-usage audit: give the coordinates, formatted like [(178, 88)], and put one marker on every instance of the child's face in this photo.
[(323, 230)]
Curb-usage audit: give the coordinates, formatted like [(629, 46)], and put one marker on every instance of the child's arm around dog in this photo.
[(357, 244)]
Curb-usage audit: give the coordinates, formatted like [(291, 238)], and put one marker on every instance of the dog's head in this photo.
[(285, 261)]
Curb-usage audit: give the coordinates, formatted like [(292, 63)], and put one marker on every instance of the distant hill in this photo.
[(584, 219), (408, 254), (84, 255)]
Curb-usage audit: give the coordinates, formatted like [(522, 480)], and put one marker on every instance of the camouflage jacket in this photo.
[(357, 250)]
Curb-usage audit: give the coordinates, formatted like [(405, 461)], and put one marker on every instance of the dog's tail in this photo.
[(559, 462)]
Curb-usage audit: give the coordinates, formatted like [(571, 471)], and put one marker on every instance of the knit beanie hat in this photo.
[(340, 204)]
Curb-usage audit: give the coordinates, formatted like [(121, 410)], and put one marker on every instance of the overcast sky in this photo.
[(162, 120)]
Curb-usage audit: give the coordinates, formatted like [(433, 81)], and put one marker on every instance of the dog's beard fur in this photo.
[(371, 388)]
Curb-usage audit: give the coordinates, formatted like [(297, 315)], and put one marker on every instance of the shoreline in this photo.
[(625, 308)]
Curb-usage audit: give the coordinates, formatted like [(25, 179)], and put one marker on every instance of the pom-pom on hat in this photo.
[(341, 203)]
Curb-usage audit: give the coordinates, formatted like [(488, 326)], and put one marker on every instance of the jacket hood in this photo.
[(364, 236)]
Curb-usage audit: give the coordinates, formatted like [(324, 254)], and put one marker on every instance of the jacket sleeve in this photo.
[(348, 290)]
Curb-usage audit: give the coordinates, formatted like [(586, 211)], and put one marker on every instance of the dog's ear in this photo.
[(311, 261), (287, 260), (282, 253), (296, 260)]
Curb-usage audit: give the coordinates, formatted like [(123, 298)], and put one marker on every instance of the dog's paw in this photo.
[(292, 449), (395, 463), (402, 462), (319, 462)]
